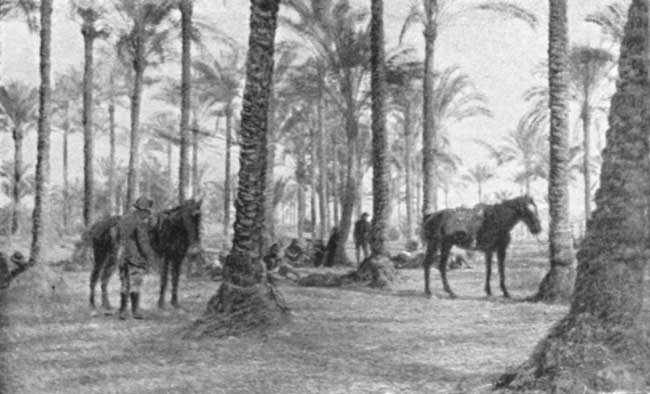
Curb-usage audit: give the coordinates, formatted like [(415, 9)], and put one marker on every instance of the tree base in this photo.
[(557, 285), (375, 271), (237, 310), (583, 355)]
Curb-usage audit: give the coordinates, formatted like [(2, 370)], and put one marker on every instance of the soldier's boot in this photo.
[(135, 306), (123, 301)]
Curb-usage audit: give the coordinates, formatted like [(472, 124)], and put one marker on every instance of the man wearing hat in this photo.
[(133, 253), (361, 235)]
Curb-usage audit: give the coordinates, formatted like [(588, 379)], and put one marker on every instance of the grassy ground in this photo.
[(340, 340)]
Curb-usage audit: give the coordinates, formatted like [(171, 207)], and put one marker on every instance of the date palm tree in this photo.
[(141, 43), (19, 105), (186, 95), (246, 299), (219, 82), (611, 20), (602, 343), (432, 15), (479, 174)]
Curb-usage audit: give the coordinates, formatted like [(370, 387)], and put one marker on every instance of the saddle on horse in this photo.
[(464, 224)]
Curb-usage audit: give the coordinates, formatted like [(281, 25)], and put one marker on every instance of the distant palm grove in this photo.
[(295, 135)]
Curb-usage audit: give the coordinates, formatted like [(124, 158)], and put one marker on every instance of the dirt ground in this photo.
[(346, 340)]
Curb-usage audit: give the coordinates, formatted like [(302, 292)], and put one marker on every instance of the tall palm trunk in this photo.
[(585, 116), (196, 182), (186, 97), (66, 184), (18, 174), (227, 181), (381, 171), (111, 161), (136, 100), (429, 137), (41, 203), (312, 182), (322, 169), (302, 201), (170, 172), (246, 299), (270, 214), (602, 345), (407, 172), (89, 34), (557, 285)]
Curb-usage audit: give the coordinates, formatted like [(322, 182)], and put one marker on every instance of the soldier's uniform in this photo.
[(134, 253)]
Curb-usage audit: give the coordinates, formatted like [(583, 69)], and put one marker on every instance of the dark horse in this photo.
[(485, 228), (174, 234)]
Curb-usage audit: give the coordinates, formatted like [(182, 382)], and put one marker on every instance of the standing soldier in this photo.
[(134, 251), (362, 235)]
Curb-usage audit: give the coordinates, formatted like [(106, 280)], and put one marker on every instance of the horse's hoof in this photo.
[(506, 295), (452, 295), (427, 294), (161, 305), (176, 305)]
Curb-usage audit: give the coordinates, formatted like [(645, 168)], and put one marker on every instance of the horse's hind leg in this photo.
[(109, 268), (501, 257), (442, 267), (176, 273), (488, 272), (94, 275), (163, 282), (428, 260)]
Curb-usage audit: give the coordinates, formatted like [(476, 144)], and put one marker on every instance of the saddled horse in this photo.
[(174, 233), (485, 228)]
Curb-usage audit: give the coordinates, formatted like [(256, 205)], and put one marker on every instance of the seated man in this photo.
[(293, 252), (275, 264)]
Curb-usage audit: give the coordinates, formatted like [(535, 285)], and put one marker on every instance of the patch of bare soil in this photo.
[(340, 340)]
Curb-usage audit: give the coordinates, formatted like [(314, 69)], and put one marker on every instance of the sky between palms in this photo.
[(498, 55)]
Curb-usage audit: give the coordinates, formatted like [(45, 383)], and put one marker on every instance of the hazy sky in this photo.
[(498, 55)]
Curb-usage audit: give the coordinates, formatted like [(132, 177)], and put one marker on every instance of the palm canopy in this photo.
[(219, 80), (18, 103), (13, 8), (611, 20), (445, 14)]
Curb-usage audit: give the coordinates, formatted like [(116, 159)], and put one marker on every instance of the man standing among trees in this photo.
[(362, 236), (134, 252)]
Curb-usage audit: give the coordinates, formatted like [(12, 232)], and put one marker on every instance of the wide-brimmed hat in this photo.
[(365, 215), (18, 258), (143, 203)]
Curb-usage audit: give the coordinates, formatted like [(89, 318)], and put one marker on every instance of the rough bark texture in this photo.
[(557, 285), (186, 98), (89, 34), (429, 200), (380, 160), (270, 214), (603, 344), (136, 100), (227, 180), (43, 140), (246, 300)]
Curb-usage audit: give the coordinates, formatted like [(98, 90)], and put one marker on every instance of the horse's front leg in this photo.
[(501, 256), (488, 272), (442, 267), (176, 272), (163, 282), (428, 260), (94, 276), (109, 267)]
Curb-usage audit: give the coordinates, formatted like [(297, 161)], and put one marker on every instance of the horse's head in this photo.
[(527, 210), (190, 212)]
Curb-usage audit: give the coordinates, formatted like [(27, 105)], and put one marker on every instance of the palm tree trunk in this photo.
[(312, 181), (358, 203), (407, 173), (602, 344), (227, 181), (480, 191), (18, 174), (246, 300), (41, 203), (380, 163), (322, 169), (170, 172), (196, 182), (429, 138), (66, 185), (112, 204), (186, 97), (89, 34), (136, 98), (586, 161), (270, 214), (557, 285)]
